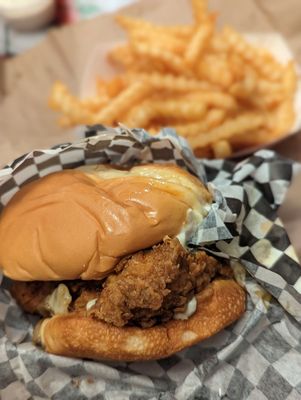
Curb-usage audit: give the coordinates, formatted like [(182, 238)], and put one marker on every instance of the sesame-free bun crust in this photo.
[(218, 305), (77, 224)]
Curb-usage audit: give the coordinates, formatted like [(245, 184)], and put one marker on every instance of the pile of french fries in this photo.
[(212, 87)]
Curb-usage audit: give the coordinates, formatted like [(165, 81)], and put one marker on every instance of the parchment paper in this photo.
[(256, 358)]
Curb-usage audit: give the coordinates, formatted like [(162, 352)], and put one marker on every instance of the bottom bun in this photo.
[(218, 305)]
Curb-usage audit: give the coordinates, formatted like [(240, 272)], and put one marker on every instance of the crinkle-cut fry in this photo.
[(144, 65), (129, 23), (217, 44), (170, 60), (171, 82), (251, 138), (266, 101), (58, 94), (222, 149), (181, 31), (94, 104), (198, 43), (238, 65), (179, 109), (216, 99), (234, 126), (162, 40), (108, 88), (263, 61), (290, 79), (122, 103), (61, 100), (140, 115), (121, 55), (212, 119), (264, 86), (199, 9), (216, 70), (283, 118), (246, 87), (101, 87), (115, 85), (132, 23), (238, 43)]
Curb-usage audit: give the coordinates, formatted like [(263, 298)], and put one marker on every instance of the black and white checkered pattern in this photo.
[(259, 357)]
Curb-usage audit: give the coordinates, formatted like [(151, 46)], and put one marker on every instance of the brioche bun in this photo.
[(77, 224)]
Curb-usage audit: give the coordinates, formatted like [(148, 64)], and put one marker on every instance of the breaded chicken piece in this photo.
[(154, 284), (34, 296), (31, 295)]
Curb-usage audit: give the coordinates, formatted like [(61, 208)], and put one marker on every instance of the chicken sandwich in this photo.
[(100, 253)]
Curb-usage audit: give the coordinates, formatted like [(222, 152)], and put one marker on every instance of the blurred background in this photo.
[(24, 23)]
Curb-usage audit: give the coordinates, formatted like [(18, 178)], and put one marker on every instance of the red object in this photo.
[(65, 12)]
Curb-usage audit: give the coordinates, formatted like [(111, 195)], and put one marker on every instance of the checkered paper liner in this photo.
[(258, 357)]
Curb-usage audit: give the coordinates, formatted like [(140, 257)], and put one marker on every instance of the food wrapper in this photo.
[(258, 357)]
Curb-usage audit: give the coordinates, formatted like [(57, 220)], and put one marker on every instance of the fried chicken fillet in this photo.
[(147, 288)]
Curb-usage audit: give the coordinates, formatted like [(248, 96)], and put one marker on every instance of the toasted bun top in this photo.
[(76, 224)]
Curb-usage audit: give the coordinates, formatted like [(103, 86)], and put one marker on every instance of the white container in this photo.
[(27, 15)]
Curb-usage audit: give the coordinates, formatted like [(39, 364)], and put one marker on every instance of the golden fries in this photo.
[(213, 118), (263, 61), (74, 112), (215, 99), (140, 115), (176, 84), (186, 110), (120, 104), (216, 70), (214, 88), (170, 60), (122, 56), (130, 24), (165, 41), (134, 25), (230, 128), (167, 110)]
